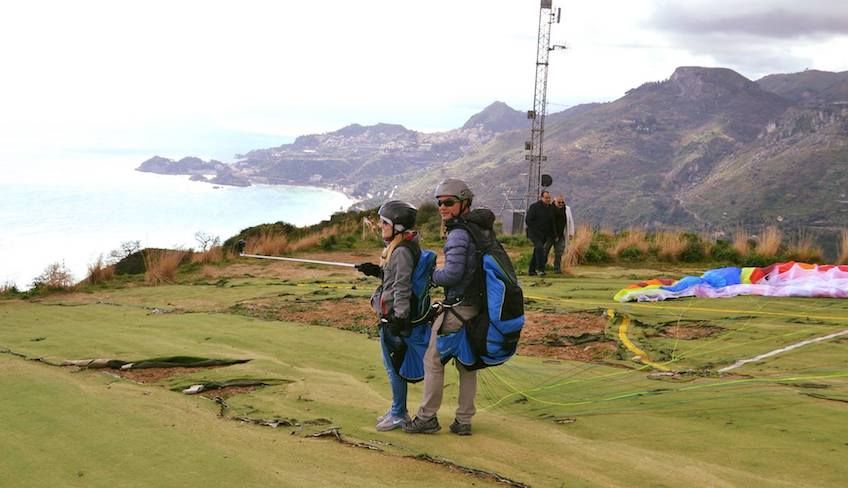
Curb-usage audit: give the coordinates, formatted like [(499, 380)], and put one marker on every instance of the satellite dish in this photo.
[(547, 181)]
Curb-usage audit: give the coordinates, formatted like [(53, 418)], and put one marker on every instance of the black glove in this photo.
[(369, 269), (397, 326)]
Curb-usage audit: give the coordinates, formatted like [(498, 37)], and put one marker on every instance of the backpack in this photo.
[(424, 261), (407, 353), (492, 337)]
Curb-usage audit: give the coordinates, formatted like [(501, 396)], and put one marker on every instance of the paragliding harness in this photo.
[(407, 351), (490, 338)]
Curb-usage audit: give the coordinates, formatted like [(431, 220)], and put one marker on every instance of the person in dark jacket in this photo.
[(540, 231), (392, 299), (461, 261)]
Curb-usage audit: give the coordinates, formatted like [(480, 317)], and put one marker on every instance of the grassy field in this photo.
[(651, 411)]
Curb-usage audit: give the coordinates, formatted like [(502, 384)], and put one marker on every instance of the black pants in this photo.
[(540, 256)]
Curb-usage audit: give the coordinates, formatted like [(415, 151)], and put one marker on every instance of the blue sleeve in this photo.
[(456, 255)]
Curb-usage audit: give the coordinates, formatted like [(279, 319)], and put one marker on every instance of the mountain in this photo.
[(706, 148), (370, 161), (498, 117), (809, 87)]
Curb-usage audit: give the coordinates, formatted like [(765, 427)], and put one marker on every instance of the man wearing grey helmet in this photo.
[(454, 201)]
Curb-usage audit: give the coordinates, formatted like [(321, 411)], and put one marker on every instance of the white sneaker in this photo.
[(391, 422), (381, 417)]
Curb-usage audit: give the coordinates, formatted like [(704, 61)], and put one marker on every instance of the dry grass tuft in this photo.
[(670, 244), (578, 245), (843, 248), (606, 233), (632, 238), (213, 255), (268, 244), (741, 242), (161, 265), (209, 272), (805, 249), (100, 272), (313, 240), (770, 242)]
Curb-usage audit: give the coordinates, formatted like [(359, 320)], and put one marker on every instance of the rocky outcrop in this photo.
[(185, 166)]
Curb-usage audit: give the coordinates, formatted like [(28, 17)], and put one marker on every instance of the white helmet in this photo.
[(454, 187)]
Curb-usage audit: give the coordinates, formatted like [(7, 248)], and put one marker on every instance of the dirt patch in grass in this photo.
[(344, 313), (575, 336), (349, 313), (689, 330), (154, 375)]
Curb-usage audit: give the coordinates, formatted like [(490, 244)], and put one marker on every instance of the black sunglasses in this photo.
[(447, 202)]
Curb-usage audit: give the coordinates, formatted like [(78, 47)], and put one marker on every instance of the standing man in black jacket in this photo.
[(540, 230), (563, 230)]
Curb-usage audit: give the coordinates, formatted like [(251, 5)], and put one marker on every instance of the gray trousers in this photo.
[(434, 370), (559, 249)]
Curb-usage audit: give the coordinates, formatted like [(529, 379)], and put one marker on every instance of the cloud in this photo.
[(758, 37), (773, 19)]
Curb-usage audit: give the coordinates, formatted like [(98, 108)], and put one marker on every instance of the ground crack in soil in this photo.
[(489, 475)]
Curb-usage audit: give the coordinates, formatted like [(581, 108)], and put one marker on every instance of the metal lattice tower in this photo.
[(534, 146)]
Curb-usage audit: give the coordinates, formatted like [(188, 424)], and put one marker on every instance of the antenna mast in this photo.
[(534, 146)]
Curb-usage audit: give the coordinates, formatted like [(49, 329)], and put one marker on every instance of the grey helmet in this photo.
[(400, 215), (454, 187)]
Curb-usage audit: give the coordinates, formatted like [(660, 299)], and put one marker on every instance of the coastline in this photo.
[(91, 216)]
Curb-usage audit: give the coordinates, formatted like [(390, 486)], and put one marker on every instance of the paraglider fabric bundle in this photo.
[(407, 353), (789, 279), (492, 337)]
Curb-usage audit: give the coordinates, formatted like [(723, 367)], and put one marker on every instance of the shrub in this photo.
[(334, 242), (631, 253), (631, 238), (55, 277), (724, 251), (757, 260), (522, 262), (596, 254), (695, 250), (161, 265), (9, 289)]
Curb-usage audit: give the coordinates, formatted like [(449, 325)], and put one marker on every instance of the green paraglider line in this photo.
[(525, 394)]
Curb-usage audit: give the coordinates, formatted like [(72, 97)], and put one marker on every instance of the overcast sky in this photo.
[(113, 74)]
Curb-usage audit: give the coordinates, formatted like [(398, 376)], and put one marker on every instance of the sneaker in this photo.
[(381, 417), (422, 426), (541, 273), (531, 273), (392, 422), (460, 429)]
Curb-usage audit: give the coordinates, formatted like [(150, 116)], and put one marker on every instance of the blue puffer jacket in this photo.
[(460, 264)]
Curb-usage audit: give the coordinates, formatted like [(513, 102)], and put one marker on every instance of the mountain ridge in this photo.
[(705, 147)]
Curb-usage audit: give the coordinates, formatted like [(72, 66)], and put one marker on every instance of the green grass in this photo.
[(778, 422)]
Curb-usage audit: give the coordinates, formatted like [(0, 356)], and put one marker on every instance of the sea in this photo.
[(72, 208)]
